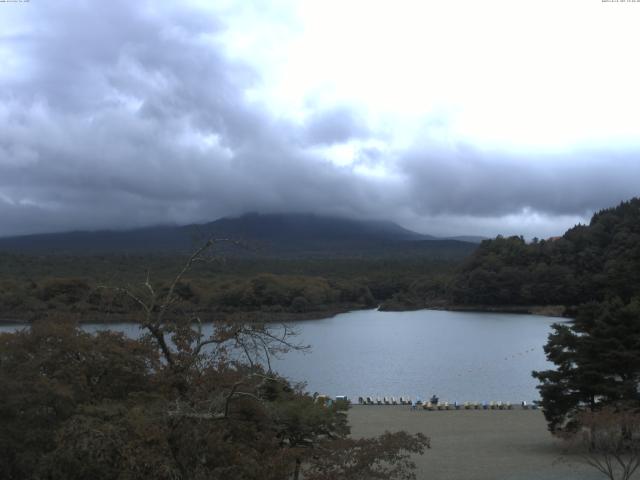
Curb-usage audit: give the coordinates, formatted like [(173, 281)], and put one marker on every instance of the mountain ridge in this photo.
[(258, 234)]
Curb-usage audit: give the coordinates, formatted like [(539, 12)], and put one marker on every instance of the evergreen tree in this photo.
[(597, 359), (588, 263)]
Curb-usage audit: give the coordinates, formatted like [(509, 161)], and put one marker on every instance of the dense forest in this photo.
[(271, 288), (588, 263)]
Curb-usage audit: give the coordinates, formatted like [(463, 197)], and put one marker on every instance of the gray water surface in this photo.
[(460, 356)]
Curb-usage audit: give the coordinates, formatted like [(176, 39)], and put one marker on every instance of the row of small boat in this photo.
[(471, 406), (385, 401), (444, 405)]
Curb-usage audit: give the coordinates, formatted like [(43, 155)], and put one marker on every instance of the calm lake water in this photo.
[(460, 356)]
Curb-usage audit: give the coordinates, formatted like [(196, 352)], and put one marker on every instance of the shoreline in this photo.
[(558, 311), (543, 310), (247, 316)]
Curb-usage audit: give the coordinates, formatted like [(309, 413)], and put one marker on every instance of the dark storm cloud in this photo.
[(130, 116), (466, 181), (119, 114)]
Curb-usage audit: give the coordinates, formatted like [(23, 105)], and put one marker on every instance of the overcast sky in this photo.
[(465, 117)]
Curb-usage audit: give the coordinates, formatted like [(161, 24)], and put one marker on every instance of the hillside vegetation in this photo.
[(272, 288), (588, 263)]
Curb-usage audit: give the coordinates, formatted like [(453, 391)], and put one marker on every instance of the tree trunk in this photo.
[(296, 472)]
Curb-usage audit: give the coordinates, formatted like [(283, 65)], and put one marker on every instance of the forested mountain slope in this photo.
[(589, 262)]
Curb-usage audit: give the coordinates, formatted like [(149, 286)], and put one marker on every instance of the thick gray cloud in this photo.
[(120, 114), (470, 182), (138, 118)]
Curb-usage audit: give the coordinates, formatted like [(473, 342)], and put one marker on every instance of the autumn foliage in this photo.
[(173, 404)]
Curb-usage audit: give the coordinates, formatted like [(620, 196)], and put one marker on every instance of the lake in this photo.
[(460, 356)]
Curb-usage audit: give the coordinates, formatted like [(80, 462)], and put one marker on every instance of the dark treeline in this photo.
[(588, 263), (31, 286)]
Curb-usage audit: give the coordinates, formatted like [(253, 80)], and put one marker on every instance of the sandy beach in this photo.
[(478, 444)]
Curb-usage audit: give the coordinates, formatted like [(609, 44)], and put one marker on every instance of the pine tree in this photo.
[(597, 360)]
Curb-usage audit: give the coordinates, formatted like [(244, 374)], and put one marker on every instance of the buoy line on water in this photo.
[(486, 365)]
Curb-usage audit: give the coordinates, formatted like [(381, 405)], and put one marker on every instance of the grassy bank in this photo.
[(478, 444)]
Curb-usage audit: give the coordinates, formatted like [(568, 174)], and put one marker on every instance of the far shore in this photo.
[(9, 321), (478, 444), (543, 310), (276, 317), (251, 316)]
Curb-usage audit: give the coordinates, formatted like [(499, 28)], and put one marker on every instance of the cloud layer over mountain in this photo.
[(120, 114)]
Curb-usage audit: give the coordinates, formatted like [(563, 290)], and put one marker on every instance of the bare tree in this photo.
[(180, 337), (222, 379), (610, 440)]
